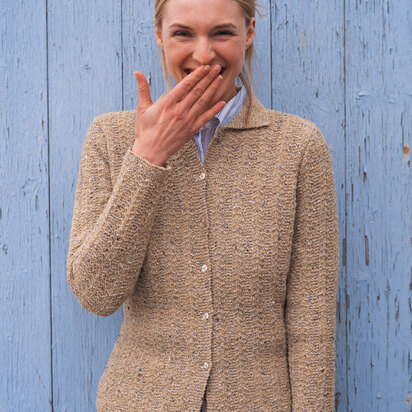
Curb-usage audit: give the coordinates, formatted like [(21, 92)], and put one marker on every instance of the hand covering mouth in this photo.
[(188, 71)]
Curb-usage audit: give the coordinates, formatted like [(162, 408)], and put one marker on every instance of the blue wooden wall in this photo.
[(344, 64)]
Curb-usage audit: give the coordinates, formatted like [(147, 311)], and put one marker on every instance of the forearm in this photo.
[(111, 228)]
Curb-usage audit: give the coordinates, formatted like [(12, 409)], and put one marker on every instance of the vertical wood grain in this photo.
[(140, 51), (308, 80), (262, 68), (379, 125), (345, 65), (25, 377), (85, 81)]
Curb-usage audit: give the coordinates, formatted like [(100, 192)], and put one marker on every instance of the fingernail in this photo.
[(217, 69), (206, 68)]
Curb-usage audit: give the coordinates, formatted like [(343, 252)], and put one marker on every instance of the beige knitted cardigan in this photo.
[(227, 271)]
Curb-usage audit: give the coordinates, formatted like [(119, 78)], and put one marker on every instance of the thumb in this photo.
[(143, 89)]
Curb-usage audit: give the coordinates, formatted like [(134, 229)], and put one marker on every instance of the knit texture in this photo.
[(254, 244)]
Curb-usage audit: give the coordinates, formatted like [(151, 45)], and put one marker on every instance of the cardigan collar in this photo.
[(258, 116)]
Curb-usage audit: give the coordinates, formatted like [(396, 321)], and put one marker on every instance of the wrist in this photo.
[(149, 155)]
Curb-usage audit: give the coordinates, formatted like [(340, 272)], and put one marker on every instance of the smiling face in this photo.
[(198, 32)]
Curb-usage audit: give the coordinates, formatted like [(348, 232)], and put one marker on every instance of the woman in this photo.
[(213, 221)]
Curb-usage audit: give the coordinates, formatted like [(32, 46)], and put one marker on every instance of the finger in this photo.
[(207, 116), (143, 90), (207, 99), (187, 84), (198, 91)]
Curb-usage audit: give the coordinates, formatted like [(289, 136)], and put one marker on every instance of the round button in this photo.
[(205, 365), (208, 125), (202, 176), (204, 268), (206, 316)]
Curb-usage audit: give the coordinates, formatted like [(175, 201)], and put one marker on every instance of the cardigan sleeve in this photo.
[(312, 283), (111, 223)]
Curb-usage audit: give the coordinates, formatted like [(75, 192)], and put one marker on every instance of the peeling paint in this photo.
[(366, 250), (344, 251), (351, 76)]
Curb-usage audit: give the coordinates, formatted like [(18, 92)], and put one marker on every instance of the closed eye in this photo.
[(181, 33), (186, 34), (224, 33)]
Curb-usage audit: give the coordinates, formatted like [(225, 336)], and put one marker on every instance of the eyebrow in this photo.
[(219, 26)]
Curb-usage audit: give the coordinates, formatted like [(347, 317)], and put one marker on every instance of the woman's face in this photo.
[(198, 32)]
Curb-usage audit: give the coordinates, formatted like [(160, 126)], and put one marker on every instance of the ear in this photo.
[(158, 35), (250, 32)]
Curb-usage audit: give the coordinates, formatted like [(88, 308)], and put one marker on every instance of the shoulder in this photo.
[(288, 136), (284, 127), (294, 130), (290, 125), (114, 128), (115, 120)]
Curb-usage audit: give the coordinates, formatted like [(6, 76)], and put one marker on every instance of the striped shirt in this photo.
[(205, 135)]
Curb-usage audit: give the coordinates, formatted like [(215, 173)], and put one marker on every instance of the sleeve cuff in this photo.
[(146, 162)]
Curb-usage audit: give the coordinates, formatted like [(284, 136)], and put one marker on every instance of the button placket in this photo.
[(204, 315)]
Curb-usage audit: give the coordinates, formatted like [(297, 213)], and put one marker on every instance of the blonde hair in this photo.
[(249, 7)]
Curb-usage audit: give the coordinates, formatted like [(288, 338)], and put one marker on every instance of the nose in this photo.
[(203, 51)]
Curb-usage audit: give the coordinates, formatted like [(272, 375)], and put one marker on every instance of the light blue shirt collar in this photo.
[(232, 107), (205, 135)]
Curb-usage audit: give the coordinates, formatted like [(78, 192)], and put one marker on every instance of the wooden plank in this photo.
[(379, 113), (308, 80), (371, 160), (262, 69), (85, 80), (140, 51), (25, 378)]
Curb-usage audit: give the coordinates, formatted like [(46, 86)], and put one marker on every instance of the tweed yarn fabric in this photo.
[(227, 271)]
